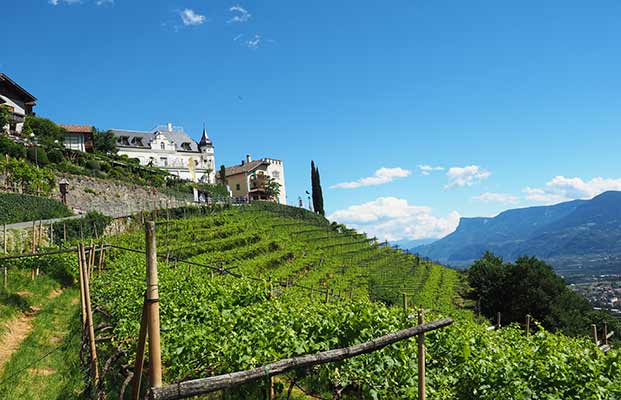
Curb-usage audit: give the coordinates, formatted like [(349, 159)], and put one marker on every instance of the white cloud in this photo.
[(255, 42), (428, 169), (241, 14), (490, 197), (104, 2), (466, 176), (190, 17), (391, 218), (380, 177), (560, 189), (68, 2)]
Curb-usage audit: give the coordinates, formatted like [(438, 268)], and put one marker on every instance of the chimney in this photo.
[(242, 162), (169, 127), (248, 158)]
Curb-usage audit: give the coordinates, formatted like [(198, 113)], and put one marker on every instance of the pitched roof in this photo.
[(24, 92), (245, 168), (177, 136), (77, 128)]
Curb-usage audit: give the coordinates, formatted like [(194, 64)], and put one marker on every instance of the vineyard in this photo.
[(243, 287)]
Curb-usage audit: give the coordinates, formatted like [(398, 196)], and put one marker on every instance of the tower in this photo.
[(208, 157)]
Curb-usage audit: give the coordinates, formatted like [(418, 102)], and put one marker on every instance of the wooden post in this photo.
[(52, 234), (34, 236), (153, 307), (606, 333), (90, 326), (139, 363), (64, 231), (421, 358), (81, 268), (101, 256), (95, 230), (4, 238), (595, 334), (91, 259), (498, 325), (40, 235), (327, 295), (527, 324), (405, 305)]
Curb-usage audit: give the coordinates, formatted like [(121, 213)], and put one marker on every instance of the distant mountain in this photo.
[(410, 244), (576, 237)]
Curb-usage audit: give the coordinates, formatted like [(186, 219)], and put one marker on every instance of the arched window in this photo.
[(162, 146)]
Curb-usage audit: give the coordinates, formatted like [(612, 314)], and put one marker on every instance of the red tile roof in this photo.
[(77, 128), (247, 167)]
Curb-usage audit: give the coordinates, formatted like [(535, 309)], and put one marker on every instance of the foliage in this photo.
[(19, 207), (222, 175), (529, 286), (104, 142), (5, 118), (25, 176), (271, 188), (56, 156), (92, 225), (37, 155), (11, 148), (46, 132), (317, 191), (93, 165)]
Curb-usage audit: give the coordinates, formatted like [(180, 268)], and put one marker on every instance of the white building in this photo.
[(246, 180), (18, 101), (170, 148)]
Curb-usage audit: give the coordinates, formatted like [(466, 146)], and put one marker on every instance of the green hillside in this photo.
[(272, 304)]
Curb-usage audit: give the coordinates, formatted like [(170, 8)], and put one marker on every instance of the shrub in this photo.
[(38, 155), (93, 165), (9, 147), (56, 156)]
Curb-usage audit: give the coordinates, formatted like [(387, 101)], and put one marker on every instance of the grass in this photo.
[(47, 365)]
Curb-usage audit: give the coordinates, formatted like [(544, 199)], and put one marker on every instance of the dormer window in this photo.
[(162, 146), (186, 146), (123, 140), (137, 141)]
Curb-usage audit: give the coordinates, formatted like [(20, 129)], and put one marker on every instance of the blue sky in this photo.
[(513, 104)]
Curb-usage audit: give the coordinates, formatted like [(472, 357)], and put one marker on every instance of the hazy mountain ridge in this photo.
[(579, 234)]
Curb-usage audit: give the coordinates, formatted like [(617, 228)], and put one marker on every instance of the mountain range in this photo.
[(579, 236)]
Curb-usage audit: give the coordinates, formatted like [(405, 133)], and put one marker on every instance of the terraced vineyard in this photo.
[(266, 300)]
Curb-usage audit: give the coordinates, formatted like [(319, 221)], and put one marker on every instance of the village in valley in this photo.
[(167, 147)]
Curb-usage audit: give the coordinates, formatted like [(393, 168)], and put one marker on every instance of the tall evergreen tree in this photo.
[(316, 187)]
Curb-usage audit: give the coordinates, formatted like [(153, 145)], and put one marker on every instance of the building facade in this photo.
[(170, 148), (18, 101), (78, 137), (246, 180)]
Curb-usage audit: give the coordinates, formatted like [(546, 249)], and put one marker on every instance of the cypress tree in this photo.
[(316, 188)]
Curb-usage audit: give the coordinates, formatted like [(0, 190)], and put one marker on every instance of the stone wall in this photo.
[(112, 198)]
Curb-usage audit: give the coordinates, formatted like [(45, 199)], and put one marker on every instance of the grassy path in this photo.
[(46, 365)]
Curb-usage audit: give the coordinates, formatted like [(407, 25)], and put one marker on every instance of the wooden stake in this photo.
[(595, 334), (91, 259), (91, 328), (101, 256), (421, 358), (155, 355), (139, 363), (52, 234), (327, 295), (81, 268), (4, 238), (527, 324), (64, 231), (606, 333), (405, 304)]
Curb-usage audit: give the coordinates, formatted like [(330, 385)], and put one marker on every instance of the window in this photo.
[(162, 146), (276, 175), (238, 187), (163, 160), (137, 141), (124, 140), (186, 146)]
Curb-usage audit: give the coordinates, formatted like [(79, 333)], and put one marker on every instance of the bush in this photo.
[(56, 156), (93, 165), (38, 156), (19, 208), (83, 227), (22, 174), (9, 147)]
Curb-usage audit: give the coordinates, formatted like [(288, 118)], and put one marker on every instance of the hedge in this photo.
[(20, 208)]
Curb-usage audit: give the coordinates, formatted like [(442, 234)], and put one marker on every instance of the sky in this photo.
[(416, 112)]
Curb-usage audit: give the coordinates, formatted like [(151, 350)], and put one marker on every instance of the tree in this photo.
[(271, 188), (223, 174), (104, 142), (46, 132), (316, 188)]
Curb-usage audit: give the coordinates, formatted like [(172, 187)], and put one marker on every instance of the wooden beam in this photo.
[(202, 386)]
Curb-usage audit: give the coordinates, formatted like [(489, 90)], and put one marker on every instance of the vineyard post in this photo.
[(34, 247), (64, 231), (421, 357), (498, 325), (139, 363), (606, 333), (52, 233), (153, 306), (91, 259), (527, 324), (594, 334), (101, 256), (91, 327), (82, 302), (95, 230), (4, 238), (405, 304), (327, 295), (40, 233)]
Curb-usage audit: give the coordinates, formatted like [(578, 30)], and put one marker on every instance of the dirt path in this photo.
[(19, 329)]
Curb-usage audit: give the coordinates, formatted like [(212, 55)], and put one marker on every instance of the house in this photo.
[(18, 101), (246, 179), (79, 137), (170, 148)]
